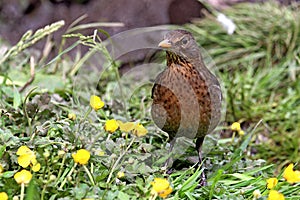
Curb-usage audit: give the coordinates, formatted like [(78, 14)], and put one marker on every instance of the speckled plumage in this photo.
[(186, 95)]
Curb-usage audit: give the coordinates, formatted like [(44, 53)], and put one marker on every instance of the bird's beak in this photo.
[(165, 44)]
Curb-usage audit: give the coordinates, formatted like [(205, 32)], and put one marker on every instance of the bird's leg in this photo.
[(166, 165), (199, 142)]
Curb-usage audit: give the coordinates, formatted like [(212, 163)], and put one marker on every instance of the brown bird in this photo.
[(186, 95)]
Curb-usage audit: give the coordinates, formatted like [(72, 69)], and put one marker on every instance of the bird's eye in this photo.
[(184, 41)]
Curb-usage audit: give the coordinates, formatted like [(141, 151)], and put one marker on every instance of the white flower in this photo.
[(227, 23)]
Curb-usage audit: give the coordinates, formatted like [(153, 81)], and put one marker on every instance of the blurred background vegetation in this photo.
[(258, 66)]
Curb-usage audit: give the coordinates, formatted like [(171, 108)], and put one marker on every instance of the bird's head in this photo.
[(180, 44)]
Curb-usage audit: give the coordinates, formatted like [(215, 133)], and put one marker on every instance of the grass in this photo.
[(258, 67)]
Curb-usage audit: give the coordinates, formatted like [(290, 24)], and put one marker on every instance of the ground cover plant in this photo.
[(65, 134)]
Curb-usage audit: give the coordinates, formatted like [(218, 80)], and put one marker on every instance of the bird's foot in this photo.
[(202, 178), (167, 168), (202, 181), (170, 171)]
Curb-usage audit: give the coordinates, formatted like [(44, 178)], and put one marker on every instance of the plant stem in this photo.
[(22, 191), (121, 90), (61, 167), (25, 110), (89, 175), (103, 114), (118, 160), (65, 179), (86, 114)]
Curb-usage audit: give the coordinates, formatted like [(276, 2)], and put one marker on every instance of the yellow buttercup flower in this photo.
[(139, 130), (271, 183), (275, 195), (72, 116), (126, 127), (96, 102), (111, 125), (136, 128), (34, 161), (25, 160), (120, 174), (241, 133), (82, 156), (162, 187), (236, 126), (1, 169), (3, 196), (36, 167), (23, 150), (290, 175), (26, 156), (23, 176)]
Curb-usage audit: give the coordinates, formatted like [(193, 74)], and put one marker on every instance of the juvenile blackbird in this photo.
[(186, 95)]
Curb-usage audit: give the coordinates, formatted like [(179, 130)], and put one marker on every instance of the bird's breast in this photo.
[(182, 104)]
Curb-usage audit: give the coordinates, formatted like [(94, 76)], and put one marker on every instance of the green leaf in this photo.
[(242, 177), (53, 197), (81, 191), (17, 98), (2, 149), (123, 196), (8, 174), (32, 191), (191, 183), (216, 179), (189, 195), (49, 82)]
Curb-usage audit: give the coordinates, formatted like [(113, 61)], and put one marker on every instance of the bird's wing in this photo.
[(156, 82)]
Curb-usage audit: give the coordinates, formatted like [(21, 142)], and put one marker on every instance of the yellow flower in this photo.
[(139, 130), (25, 160), (72, 116), (162, 187), (1, 169), (111, 125), (274, 195), (236, 127), (271, 183), (36, 167), (241, 133), (3, 196), (24, 150), (26, 156), (23, 176), (120, 174), (290, 175), (126, 127), (136, 128), (82, 156), (96, 103)]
